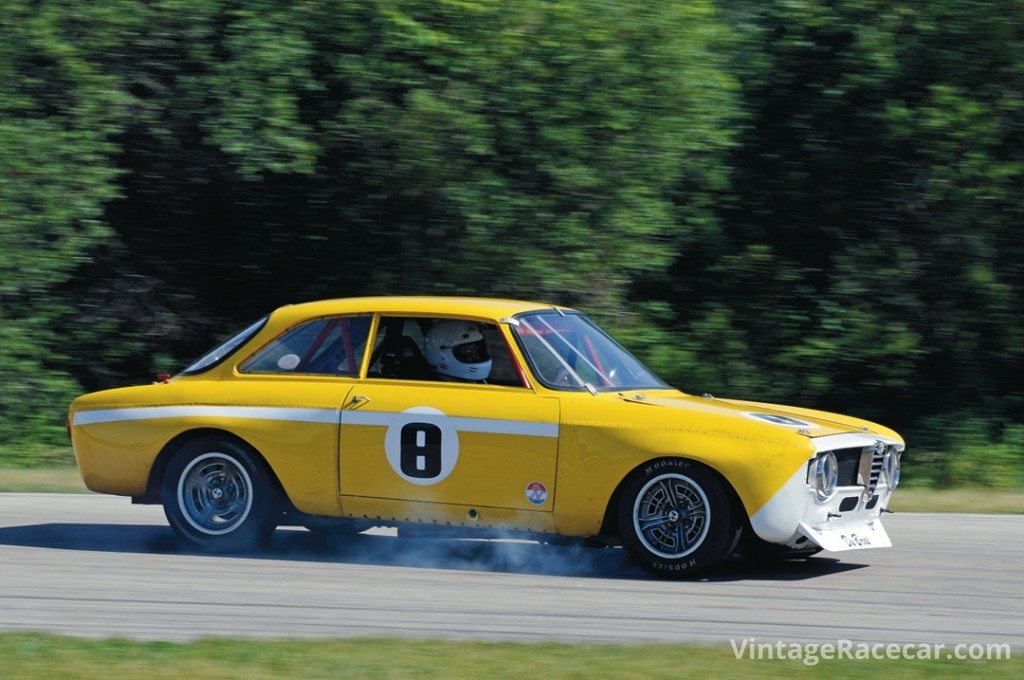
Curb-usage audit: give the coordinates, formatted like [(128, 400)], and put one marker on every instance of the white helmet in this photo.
[(457, 349)]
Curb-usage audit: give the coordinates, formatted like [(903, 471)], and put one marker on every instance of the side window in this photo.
[(503, 371), (398, 350), (328, 346), (451, 350)]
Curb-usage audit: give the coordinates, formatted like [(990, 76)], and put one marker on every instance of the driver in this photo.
[(456, 351)]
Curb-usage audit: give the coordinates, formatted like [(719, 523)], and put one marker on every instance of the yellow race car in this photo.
[(495, 416)]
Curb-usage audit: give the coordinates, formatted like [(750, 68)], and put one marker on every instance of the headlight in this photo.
[(824, 474), (891, 467)]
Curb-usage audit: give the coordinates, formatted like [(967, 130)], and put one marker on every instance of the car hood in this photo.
[(803, 421)]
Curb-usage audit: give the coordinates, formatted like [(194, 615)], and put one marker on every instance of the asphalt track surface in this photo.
[(97, 566)]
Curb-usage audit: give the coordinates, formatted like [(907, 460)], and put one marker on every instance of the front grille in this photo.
[(849, 465), (876, 466), (861, 466)]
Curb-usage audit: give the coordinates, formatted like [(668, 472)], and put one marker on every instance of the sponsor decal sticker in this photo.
[(536, 493)]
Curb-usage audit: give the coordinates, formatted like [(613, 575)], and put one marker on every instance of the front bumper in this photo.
[(849, 519), (833, 527)]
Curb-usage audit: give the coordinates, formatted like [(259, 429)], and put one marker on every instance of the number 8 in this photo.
[(421, 450)]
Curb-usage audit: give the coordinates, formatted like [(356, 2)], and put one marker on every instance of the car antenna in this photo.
[(560, 312)]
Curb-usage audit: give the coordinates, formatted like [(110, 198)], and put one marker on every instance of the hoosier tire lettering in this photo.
[(676, 517)]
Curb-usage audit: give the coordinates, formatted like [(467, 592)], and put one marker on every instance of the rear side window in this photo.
[(327, 346), (225, 349)]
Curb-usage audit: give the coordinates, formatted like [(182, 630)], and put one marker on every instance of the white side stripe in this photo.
[(525, 428), (300, 415), (378, 418)]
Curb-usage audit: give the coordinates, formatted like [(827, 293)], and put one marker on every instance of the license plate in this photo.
[(848, 536)]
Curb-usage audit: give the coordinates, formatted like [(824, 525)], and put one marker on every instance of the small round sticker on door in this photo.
[(536, 493)]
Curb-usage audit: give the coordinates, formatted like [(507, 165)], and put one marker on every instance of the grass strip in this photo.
[(33, 655), (981, 500), (52, 479)]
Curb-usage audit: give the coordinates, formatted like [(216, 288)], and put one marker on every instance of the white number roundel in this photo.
[(422, 445)]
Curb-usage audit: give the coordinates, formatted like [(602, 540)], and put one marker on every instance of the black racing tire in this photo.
[(218, 495), (676, 518)]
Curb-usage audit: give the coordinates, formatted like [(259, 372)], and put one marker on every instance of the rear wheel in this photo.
[(217, 495), (676, 518)]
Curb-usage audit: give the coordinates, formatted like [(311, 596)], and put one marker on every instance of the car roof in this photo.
[(484, 308)]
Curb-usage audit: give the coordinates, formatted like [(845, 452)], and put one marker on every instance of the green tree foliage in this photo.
[(803, 201), (398, 147), (869, 259), (58, 112), (252, 154)]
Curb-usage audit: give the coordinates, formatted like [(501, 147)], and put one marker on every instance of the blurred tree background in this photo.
[(806, 201)]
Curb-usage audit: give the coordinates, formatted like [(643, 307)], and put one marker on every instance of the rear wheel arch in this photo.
[(159, 467), (218, 494)]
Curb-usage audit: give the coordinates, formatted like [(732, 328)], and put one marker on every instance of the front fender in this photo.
[(594, 458)]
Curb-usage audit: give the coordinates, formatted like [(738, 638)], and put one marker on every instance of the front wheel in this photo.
[(217, 495), (676, 518)]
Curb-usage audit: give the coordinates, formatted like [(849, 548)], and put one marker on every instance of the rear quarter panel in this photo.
[(116, 457)]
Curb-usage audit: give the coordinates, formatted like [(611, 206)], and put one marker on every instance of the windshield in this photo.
[(224, 350), (570, 352)]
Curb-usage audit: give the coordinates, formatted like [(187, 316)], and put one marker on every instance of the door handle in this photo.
[(357, 399)]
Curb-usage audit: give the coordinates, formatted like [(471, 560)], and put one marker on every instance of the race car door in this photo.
[(465, 444)]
